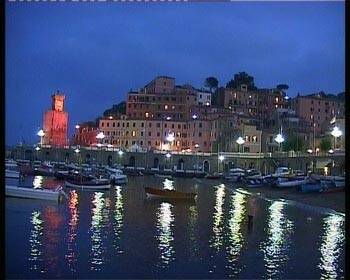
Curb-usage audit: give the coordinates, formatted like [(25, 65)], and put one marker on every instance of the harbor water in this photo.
[(119, 233)]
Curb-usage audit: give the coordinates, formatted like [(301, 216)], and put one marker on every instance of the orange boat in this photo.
[(151, 192)]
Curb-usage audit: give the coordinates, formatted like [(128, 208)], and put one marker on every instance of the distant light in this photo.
[(99, 145), (110, 117), (221, 158), (77, 126), (168, 118), (41, 133), (336, 132), (110, 146), (208, 104), (120, 152), (168, 155), (240, 140), (37, 148), (309, 151), (77, 150), (170, 137), (279, 138), (317, 150), (194, 117), (331, 151), (100, 135), (196, 146), (286, 97)]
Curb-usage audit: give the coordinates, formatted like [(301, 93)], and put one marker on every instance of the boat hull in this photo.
[(168, 194), (19, 192), (87, 185)]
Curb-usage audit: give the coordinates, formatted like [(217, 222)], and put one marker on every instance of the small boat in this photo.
[(253, 182), (116, 175), (94, 184), (158, 193), (311, 185), (214, 176), (34, 193), (235, 175), (288, 182)]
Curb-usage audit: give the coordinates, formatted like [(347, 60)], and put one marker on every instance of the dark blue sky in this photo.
[(96, 52)]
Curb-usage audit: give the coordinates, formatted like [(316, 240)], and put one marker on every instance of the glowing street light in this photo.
[(240, 141), (77, 126), (331, 151), (194, 116), (120, 152), (100, 136), (77, 151), (279, 138), (168, 118), (168, 155), (221, 158), (170, 137), (309, 151), (196, 146), (41, 134), (37, 148), (336, 132)]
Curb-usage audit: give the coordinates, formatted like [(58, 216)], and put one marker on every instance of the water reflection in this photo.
[(52, 221), (235, 235), (193, 216), (38, 182), (165, 223), (276, 247), (35, 242), (72, 253), (118, 217), (168, 184), (217, 238), (332, 244), (97, 255)]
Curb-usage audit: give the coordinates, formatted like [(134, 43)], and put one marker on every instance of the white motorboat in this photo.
[(235, 175), (34, 193), (286, 182), (281, 171), (94, 184), (116, 175)]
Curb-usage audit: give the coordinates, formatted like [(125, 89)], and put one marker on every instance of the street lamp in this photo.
[(309, 151), (331, 151), (120, 153), (221, 158), (77, 126), (77, 151), (41, 134), (240, 141), (336, 132), (37, 148), (100, 136), (279, 139), (196, 146)]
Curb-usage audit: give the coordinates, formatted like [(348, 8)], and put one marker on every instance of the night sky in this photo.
[(95, 53)]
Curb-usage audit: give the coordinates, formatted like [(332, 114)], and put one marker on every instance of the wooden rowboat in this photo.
[(158, 193)]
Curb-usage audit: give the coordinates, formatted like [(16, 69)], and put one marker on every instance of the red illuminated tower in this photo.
[(56, 122)]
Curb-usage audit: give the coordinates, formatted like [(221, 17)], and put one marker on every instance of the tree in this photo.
[(117, 109), (282, 87), (325, 144), (211, 83), (240, 79), (294, 143)]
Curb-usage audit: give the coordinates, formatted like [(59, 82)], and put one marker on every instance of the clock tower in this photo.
[(56, 122)]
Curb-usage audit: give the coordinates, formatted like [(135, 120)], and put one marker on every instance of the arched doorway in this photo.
[(180, 164), (206, 166), (87, 159), (132, 161), (109, 160), (155, 162)]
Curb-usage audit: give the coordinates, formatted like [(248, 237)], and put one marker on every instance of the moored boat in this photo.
[(214, 176), (158, 193), (34, 193), (94, 184), (288, 182), (116, 176)]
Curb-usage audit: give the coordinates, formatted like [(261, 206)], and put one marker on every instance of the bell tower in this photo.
[(58, 102)]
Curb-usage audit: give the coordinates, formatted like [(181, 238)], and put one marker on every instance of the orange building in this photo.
[(56, 122)]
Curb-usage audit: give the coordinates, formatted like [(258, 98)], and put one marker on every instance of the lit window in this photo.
[(147, 115), (276, 99), (166, 107), (133, 133)]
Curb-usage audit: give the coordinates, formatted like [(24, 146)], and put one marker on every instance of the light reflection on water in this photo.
[(217, 238), (72, 253), (168, 184), (235, 235), (275, 248), (88, 232), (35, 240), (118, 218), (38, 182), (165, 223), (331, 246), (97, 224)]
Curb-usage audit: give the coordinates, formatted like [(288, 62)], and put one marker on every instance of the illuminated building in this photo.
[(56, 122)]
